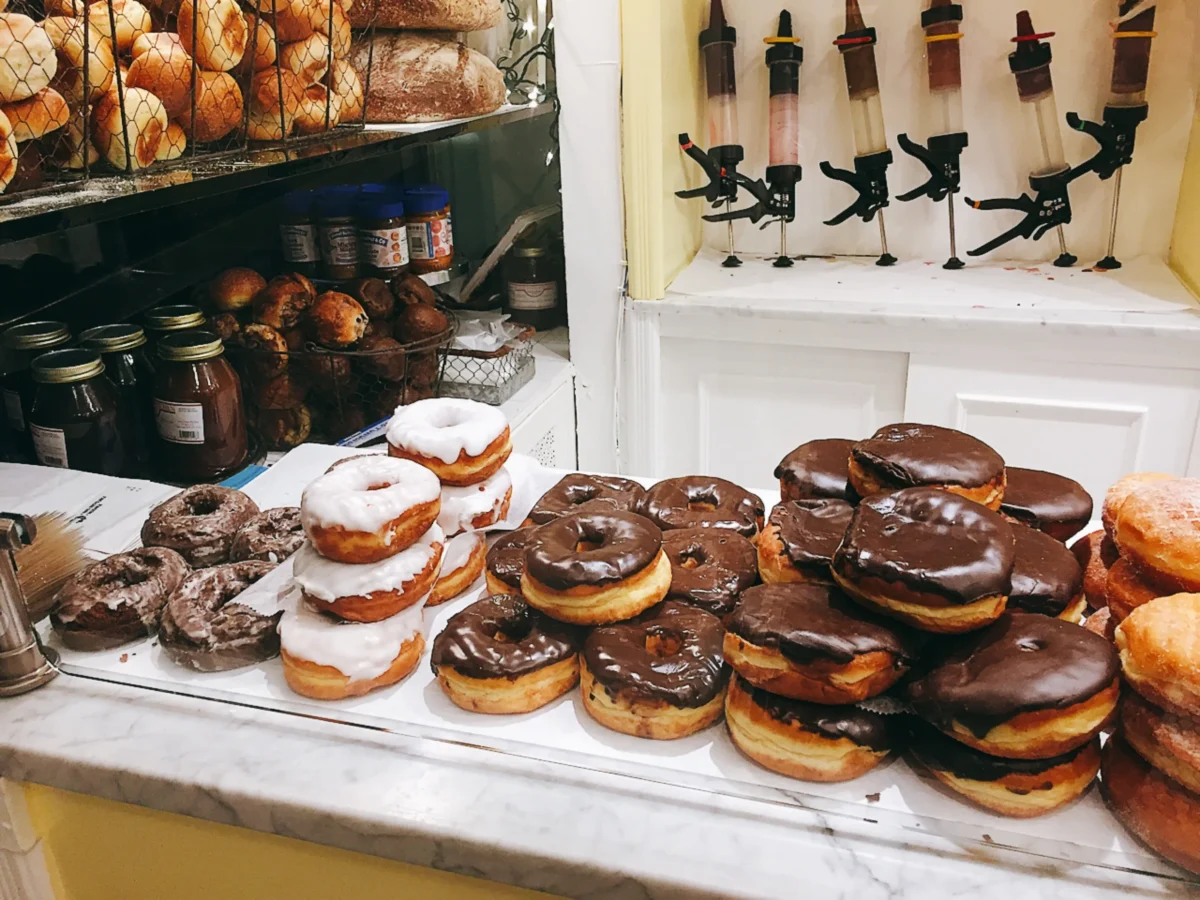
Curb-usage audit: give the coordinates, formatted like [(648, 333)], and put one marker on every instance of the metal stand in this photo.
[(24, 664)]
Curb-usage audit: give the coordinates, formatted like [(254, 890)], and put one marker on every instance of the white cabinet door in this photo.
[(547, 433), (1093, 423), (735, 409)]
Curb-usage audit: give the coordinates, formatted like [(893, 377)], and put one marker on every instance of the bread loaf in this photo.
[(419, 78), (428, 15), (38, 115), (27, 59)]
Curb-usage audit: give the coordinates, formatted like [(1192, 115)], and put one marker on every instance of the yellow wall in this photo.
[(100, 850), (1185, 240)]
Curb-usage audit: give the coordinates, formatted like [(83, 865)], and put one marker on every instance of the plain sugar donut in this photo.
[(462, 441)]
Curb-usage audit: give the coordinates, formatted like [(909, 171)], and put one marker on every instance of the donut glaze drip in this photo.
[(502, 637), (808, 622), (617, 546), (467, 508), (458, 551), (1020, 663), (931, 541), (506, 557), (865, 728), (671, 653), (709, 567), (600, 492), (1046, 575), (817, 469), (937, 751), (698, 501), (1040, 499), (326, 579), (811, 530), (359, 650), (909, 454)]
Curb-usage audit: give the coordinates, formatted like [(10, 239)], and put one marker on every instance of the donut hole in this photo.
[(692, 557), (661, 643), (586, 546), (203, 506), (582, 493), (701, 506), (382, 486)]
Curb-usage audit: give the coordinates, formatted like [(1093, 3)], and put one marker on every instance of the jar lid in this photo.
[(67, 366), (36, 336), (113, 338), (384, 204), (337, 201), (529, 252), (297, 203), (174, 317), (426, 198), (192, 346)]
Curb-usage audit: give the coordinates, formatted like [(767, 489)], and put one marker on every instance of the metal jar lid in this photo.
[(192, 346), (529, 252), (113, 338), (36, 336), (67, 366), (174, 317)]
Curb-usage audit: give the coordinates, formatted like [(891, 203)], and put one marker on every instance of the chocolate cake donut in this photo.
[(800, 539), (118, 599), (199, 523), (599, 492), (271, 536), (817, 469), (1051, 503), (710, 567), (203, 628), (700, 501), (506, 561), (1046, 578)]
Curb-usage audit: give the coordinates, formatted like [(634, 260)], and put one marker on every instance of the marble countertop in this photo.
[(463, 809)]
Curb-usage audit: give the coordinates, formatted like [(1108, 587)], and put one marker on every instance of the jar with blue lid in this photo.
[(298, 232), (382, 233), (337, 232), (430, 232)]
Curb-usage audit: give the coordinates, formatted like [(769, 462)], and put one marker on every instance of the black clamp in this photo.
[(1115, 136), (720, 165), (869, 178), (942, 157), (776, 198), (1049, 208)]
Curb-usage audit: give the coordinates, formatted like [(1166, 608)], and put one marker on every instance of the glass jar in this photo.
[(74, 421), (382, 234), (21, 344), (127, 365), (430, 231), (172, 319), (336, 231), (531, 287), (298, 232), (198, 409)]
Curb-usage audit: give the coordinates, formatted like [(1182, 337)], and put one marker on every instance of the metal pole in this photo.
[(885, 258)]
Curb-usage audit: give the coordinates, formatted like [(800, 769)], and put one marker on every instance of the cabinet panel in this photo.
[(547, 433), (735, 409), (1093, 423)]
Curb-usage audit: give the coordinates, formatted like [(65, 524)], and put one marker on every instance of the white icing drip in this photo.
[(443, 427), (341, 497), (327, 580), (359, 650), (460, 505), (459, 550)]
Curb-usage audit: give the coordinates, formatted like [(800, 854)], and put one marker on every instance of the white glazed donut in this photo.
[(369, 508), (462, 564), (462, 441), (476, 506), (372, 591)]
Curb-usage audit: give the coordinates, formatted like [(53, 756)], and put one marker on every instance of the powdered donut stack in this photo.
[(373, 557)]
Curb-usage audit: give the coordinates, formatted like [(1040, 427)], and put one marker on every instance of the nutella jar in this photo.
[(127, 365), (171, 319), (337, 231), (382, 234), (298, 232), (198, 409), (21, 344), (74, 421)]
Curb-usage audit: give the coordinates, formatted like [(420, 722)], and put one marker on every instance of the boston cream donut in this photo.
[(908, 455), (505, 561), (699, 501), (927, 557), (475, 506), (1158, 644), (576, 489), (500, 656), (710, 567), (660, 675), (1027, 687), (816, 470), (1169, 742), (1158, 529), (370, 592), (800, 539), (1051, 503), (369, 508), (1046, 577), (809, 741), (592, 568), (1021, 788), (808, 642), (461, 565), (327, 658), (462, 441)]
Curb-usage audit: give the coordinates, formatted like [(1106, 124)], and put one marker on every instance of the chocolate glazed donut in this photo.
[(271, 536), (199, 523), (1047, 578), (502, 637), (203, 629), (817, 469), (506, 561), (1051, 503), (710, 567), (800, 539), (599, 492), (699, 501)]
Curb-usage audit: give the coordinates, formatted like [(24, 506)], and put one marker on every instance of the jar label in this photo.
[(384, 248), (50, 444), (299, 243), (532, 296), (431, 240), (179, 423), (12, 411), (339, 245)]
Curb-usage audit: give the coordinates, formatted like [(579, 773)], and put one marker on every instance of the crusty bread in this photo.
[(38, 115), (419, 78), (28, 58), (428, 15)]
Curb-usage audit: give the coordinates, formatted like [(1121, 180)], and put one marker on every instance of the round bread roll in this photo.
[(165, 70), (296, 19), (262, 39), (347, 91), (8, 153), (66, 35), (131, 18), (69, 148), (307, 59), (311, 114), (220, 39), (70, 8), (28, 57), (38, 115), (275, 97), (235, 288), (337, 28), (145, 123), (163, 41), (173, 144), (218, 107)]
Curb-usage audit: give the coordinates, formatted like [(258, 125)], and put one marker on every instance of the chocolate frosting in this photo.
[(271, 536), (817, 469), (1046, 576), (811, 530), (692, 676), (1020, 663), (710, 567), (502, 637), (599, 492), (931, 541), (937, 751), (1040, 499), (699, 501), (909, 454), (199, 523), (865, 728), (627, 543), (810, 622), (506, 557)]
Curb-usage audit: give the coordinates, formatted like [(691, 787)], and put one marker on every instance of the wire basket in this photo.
[(489, 376)]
